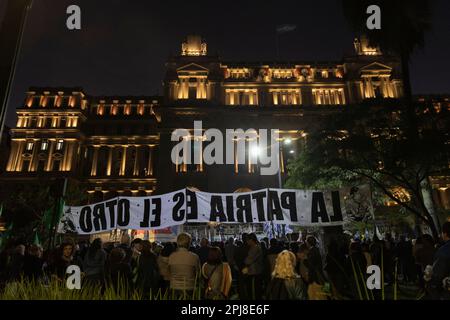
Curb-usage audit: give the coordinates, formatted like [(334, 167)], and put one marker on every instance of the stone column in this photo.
[(109, 164), (94, 161), (136, 162), (123, 162), (13, 156), (150, 161), (50, 155)]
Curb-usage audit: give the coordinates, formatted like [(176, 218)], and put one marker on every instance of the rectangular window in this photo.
[(60, 145), (25, 165), (41, 165), (41, 122), (127, 109), (56, 165), (44, 145), (100, 109), (241, 97), (29, 146), (114, 109), (328, 96), (285, 96)]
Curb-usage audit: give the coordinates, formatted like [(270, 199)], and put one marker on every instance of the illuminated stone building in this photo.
[(122, 145)]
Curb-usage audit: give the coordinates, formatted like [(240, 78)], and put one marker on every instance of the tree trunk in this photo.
[(428, 202)]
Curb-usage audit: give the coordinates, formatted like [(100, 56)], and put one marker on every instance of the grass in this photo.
[(57, 290)]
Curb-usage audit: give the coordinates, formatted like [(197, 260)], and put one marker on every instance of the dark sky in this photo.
[(123, 44)]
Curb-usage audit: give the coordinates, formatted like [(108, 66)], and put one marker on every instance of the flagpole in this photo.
[(277, 46), (12, 74), (58, 199)]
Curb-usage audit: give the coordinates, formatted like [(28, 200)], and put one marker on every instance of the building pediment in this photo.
[(376, 67), (192, 67)]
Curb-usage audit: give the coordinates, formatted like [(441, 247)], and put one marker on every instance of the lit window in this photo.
[(71, 101), (44, 145), (127, 109), (141, 109), (29, 146), (60, 145), (100, 109), (114, 109)]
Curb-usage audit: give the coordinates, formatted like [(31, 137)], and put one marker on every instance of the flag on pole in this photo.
[(5, 235), (378, 233), (47, 219), (268, 230), (36, 240), (284, 28), (288, 229)]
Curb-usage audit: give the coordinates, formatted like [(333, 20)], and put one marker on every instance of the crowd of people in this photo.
[(244, 268)]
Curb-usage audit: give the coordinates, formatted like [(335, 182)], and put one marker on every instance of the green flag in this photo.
[(36, 240), (5, 235), (47, 219), (61, 205)]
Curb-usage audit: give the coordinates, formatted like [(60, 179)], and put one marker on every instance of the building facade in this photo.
[(122, 145)]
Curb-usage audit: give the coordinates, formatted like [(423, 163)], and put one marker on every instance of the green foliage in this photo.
[(368, 144), (30, 206), (56, 290)]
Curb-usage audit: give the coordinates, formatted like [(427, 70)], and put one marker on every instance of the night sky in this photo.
[(123, 44)]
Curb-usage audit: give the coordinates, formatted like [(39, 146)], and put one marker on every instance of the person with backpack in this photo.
[(217, 275)]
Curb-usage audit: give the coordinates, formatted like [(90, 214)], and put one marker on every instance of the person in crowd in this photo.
[(33, 264), (335, 264), (217, 275), (157, 249), (125, 245), (302, 263), (147, 278), (136, 247), (230, 250), (202, 252), (119, 271), (163, 264), (240, 254), (405, 257), (184, 267), (365, 247), (423, 252), (272, 254), (439, 284), (16, 264), (388, 258), (63, 257), (94, 263), (315, 261), (254, 265), (286, 283)]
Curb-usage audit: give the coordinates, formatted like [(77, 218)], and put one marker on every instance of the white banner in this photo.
[(282, 206)]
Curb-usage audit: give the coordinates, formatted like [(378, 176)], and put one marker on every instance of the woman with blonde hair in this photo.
[(285, 284)]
